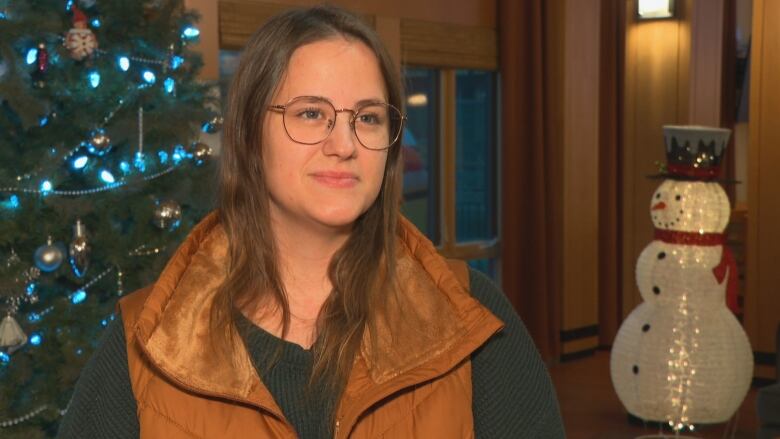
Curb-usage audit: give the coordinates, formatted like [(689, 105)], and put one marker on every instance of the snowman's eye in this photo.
[(678, 198), (658, 195)]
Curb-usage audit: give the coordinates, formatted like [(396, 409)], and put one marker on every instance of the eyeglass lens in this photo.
[(310, 120)]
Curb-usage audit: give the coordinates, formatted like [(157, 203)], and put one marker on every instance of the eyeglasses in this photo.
[(310, 120)]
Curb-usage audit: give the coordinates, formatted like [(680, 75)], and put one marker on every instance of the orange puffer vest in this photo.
[(416, 382)]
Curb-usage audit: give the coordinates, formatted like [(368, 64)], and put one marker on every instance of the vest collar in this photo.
[(430, 326)]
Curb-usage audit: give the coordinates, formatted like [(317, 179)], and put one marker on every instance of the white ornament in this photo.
[(12, 337)]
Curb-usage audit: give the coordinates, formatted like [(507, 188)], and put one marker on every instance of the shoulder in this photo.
[(490, 295)]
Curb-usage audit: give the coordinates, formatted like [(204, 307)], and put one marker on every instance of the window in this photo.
[(420, 151), (450, 160)]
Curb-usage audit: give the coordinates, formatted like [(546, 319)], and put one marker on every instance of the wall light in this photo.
[(417, 100), (655, 9)]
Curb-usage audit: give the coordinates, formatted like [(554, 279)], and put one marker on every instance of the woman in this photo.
[(305, 306)]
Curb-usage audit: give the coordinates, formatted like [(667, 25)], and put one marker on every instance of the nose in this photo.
[(341, 142), (659, 206)]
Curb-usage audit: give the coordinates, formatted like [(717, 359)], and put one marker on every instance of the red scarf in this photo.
[(727, 265)]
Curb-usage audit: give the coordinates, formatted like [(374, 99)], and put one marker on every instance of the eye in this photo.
[(368, 119), (309, 113), (678, 198), (658, 195)]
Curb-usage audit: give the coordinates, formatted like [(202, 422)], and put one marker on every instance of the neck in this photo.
[(304, 253)]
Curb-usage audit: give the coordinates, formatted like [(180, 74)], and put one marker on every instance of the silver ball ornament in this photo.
[(167, 215), (99, 142), (49, 256)]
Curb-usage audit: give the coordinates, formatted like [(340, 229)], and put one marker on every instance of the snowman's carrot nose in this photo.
[(659, 206)]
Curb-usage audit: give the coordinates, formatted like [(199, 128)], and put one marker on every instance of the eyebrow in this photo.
[(362, 102), (370, 101)]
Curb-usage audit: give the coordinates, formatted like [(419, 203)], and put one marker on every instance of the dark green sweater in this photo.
[(513, 396)]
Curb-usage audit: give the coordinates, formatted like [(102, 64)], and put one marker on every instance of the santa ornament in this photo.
[(681, 357), (80, 40)]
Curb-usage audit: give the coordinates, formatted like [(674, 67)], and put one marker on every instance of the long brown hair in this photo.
[(253, 270)]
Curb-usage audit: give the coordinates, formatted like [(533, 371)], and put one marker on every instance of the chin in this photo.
[(339, 219)]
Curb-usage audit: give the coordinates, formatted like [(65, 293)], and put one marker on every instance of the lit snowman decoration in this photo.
[(681, 356)]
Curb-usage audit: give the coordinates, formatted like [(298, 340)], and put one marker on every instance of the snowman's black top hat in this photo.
[(694, 152)]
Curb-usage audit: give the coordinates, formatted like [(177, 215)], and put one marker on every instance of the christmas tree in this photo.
[(100, 178)]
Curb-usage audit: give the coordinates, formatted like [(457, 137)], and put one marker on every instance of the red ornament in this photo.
[(80, 40), (41, 65), (42, 59)]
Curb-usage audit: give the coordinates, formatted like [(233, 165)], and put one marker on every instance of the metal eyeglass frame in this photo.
[(283, 108)]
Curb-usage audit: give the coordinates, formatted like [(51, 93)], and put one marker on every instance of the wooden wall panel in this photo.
[(706, 61), (656, 93), (448, 45), (580, 168), (239, 19), (410, 40), (462, 12), (762, 301)]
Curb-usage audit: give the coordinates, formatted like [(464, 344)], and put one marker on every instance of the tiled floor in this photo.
[(591, 409)]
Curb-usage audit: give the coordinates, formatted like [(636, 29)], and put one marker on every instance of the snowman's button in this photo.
[(661, 255), (656, 290), (645, 327), (636, 369)]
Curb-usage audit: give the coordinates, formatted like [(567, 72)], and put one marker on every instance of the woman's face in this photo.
[(333, 182)]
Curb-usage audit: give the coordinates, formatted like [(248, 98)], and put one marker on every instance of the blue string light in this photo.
[(169, 85), (107, 176), (94, 78), (43, 121), (46, 187), (190, 33), (176, 62), (178, 154), (32, 55), (33, 317), (124, 167), (4, 358), (11, 203), (31, 288), (78, 297), (80, 162), (124, 63), (96, 23), (163, 156), (69, 5), (140, 161), (36, 339), (149, 77), (3, 16)]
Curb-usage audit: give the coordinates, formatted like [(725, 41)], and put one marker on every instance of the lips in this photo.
[(335, 179)]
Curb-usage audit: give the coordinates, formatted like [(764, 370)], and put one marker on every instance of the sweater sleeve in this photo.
[(513, 395), (103, 405)]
